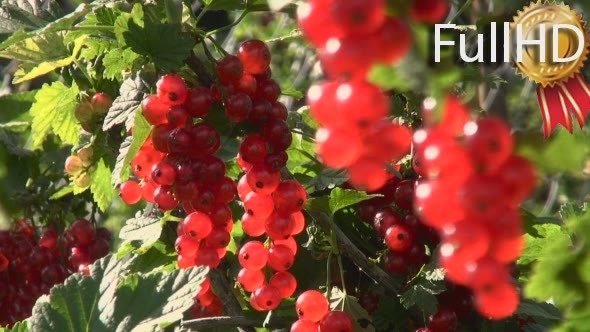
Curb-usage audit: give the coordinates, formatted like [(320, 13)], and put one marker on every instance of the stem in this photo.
[(227, 27), (199, 68), (461, 10), (230, 321), (93, 28), (349, 250), (223, 290), (295, 131), (203, 11), (218, 47), (341, 268), (329, 273)]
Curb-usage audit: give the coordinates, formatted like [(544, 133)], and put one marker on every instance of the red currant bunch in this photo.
[(470, 190), (207, 304), (31, 265), (352, 36), (315, 315)]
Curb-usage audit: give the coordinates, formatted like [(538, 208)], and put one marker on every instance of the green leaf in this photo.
[(16, 106), (141, 131), (552, 275), (28, 71), (54, 110), (12, 144), (149, 39), (535, 244), (224, 4), (360, 318), (329, 178), (132, 92), (422, 298), (37, 49), (29, 15), (388, 77), (548, 155), (173, 11), (118, 61), (539, 310), (21, 326), (292, 92), (142, 228), (100, 185), (64, 191), (118, 174), (112, 300), (341, 198)]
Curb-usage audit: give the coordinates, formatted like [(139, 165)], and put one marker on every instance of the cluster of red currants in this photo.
[(30, 266), (313, 310), (404, 234), (352, 36), (471, 187), (207, 304)]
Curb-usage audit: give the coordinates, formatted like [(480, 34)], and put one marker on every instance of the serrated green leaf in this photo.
[(141, 131), (329, 178), (28, 71), (292, 92), (21, 326), (64, 191), (341, 198), (535, 245), (420, 297), (16, 106), (388, 77), (132, 92), (107, 301), (360, 318), (552, 275), (149, 38), (117, 61), (29, 15), (142, 228), (100, 185), (38, 49), (54, 110), (539, 310), (118, 174)]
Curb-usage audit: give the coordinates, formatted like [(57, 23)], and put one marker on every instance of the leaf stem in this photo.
[(201, 14), (218, 47), (461, 10), (229, 26)]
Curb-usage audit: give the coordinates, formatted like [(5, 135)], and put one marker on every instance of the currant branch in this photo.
[(222, 288), (347, 248), (231, 321)]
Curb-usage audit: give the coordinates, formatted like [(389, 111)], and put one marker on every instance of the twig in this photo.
[(348, 249), (231, 305), (230, 321), (199, 68)]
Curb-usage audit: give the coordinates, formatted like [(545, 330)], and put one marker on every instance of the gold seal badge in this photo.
[(549, 73)]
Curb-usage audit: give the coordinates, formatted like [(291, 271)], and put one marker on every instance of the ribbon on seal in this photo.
[(557, 103)]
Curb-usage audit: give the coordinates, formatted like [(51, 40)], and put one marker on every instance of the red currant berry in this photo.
[(267, 297), (385, 219), (177, 116), (253, 256), (278, 134), (285, 282), (130, 192), (164, 173), (252, 226), (154, 110), (199, 102), (262, 180), (238, 107), (198, 225), (259, 206), (255, 56), (186, 246), (278, 226), (230, 69), (251, 280), (304, 326), (253, 149), (399, 238), (312, 305), (289, 197), (336, 321), (172, 90), (280, 257), (443, 320), (83, 232), (268, 89)]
